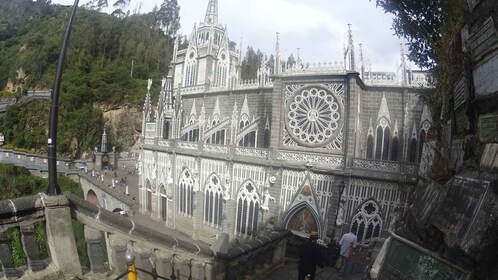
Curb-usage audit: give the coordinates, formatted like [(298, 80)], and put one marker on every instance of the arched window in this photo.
[(213, 203), (191, 72), (221, 74), (421, 144), (247, 210), (370, 146), (394, 149), (186, 191), (249, 140), (148, 188), (367, 223), (163, 201), (383, 136), (266, 143), (166, 127), (412, 150)]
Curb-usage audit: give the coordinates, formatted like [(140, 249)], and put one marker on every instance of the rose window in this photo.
[(314, 116)]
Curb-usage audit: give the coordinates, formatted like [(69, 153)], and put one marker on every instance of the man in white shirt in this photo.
[(348, 241)]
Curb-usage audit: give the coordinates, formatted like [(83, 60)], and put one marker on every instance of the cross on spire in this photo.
[(212, 12)]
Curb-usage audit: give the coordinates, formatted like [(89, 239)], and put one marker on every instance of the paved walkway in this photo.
[(288, 271)]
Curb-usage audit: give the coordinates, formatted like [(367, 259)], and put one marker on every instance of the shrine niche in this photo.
[(303, 214), (303, 221)]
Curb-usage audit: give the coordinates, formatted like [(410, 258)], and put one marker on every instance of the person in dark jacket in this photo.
[(309, 258)]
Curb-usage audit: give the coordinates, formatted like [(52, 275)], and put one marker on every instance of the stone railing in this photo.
[(314, 68), (22, 215), (165, 252), (34, 161), (252, 152), (385, 166), (331, 161), (193, 90)]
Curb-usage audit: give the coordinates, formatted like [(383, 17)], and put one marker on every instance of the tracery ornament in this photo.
[(367, 222), (315, 116)]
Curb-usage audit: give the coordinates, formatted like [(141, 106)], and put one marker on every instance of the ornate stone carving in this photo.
[(163, 143), (392, 167), (333, 161), (215, 149), (251, 152), (187, 145), (314, 115)]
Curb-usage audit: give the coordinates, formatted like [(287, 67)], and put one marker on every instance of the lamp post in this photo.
[(130, 262), (53, 188)]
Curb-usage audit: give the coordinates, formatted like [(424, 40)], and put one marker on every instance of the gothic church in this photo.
[(326, 147)]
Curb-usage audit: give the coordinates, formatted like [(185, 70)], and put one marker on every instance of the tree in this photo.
[(119, 5), (251, 63), (432, 28), (169, 17)]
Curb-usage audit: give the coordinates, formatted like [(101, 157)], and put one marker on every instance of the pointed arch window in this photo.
[(247, 210), (166, 127), (191, 71), (221, 73), (412, 150), (383, 136), (249, 139), (266, 143), (367, 222), (394, 148), (421, 143), (163, 201), (148, 188), (213, 203), (370, 146), (186, 190)]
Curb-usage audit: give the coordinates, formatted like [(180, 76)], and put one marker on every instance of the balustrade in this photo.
[(109, 235)]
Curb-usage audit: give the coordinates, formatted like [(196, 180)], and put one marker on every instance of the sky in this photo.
[(317, 27)]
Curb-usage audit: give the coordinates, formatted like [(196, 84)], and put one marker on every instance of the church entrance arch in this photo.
[(91, 197)]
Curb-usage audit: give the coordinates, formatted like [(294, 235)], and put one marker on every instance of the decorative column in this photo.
[(6, 260), (30, 248), (94, 250)]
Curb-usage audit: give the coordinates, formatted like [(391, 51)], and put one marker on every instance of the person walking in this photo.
[(309, 258), (347, 243)]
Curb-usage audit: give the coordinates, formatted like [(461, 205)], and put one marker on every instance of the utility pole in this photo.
[(53, 188)]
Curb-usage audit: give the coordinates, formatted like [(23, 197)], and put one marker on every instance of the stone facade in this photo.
[(307, 147)]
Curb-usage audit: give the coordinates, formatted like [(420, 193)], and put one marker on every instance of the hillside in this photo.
[(107, 64)]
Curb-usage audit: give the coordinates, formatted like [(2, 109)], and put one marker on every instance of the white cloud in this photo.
[(317, 27)]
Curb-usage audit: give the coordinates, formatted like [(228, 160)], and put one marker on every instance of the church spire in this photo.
[(211, 12), (276, 64), (350, 51)]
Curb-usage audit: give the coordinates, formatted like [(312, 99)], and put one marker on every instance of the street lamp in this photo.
[(53, 188)]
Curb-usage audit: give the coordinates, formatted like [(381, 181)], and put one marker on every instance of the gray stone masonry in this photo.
[(94, 250), (6, 260), (60, 236), (30, 248)]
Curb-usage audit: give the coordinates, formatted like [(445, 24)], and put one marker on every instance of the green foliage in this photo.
[(41, 240), (251, 63), (6, 93), (14, 236), (18, 182), (432, 28), (108, 62), (79, 236)]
